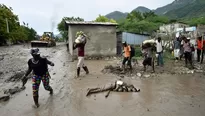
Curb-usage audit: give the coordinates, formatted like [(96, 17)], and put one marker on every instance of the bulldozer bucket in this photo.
[(39, 44)]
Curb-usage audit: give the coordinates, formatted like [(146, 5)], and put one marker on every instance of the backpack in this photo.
[(132, 52)]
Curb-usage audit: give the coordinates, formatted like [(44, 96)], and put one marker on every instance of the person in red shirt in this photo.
[(200, 50), (81, 54)]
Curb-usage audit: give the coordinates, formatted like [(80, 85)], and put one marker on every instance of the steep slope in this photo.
[(116, 15), (195, 9), (174, 5)]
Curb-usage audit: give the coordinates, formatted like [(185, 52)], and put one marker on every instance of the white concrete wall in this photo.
[(103, 40)]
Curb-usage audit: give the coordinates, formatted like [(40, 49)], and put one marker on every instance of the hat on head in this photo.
[(188, 38), (35, 51), (124, 42)]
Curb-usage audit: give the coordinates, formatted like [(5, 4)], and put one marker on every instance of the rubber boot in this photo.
[(51, 91), (35, 98), (123, 69), (78, 72), (86, 69)]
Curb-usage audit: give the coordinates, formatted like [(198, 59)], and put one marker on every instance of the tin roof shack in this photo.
[(131, 38), (102, 37)]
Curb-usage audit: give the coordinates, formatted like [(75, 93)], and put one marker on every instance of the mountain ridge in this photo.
[(176, 9)]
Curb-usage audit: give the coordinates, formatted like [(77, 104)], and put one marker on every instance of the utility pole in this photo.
[(7, 25)]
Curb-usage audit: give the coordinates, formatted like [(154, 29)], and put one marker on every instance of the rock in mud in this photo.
[(1, 58), (139, 74), (4, 97), (16, 76), (147, 76), (13, 91), (1, 73)]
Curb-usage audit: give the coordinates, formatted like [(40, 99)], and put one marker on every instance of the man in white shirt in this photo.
[(159, 53)]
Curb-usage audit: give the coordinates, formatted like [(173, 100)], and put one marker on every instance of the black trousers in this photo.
[(199, 57), (126, 59), (188, 57)]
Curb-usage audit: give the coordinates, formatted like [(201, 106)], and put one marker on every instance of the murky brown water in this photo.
[(165, 95)]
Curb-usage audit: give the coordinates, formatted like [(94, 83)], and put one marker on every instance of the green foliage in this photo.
[(16, 32), (189, 10), (62, 27), (196, 21), (137, 22), (101, 18)]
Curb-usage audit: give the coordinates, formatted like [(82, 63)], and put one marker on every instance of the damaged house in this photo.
[(102, 37)]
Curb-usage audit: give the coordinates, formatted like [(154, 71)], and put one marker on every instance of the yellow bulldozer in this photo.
[(47, 40)]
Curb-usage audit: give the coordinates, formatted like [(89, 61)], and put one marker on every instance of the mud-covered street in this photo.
[(165, 93)]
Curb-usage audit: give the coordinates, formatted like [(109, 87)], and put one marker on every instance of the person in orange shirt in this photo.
[(127, 56), (200, 48)]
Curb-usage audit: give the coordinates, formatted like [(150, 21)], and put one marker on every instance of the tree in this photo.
[(62, 27), (101, 18), (16, 31)]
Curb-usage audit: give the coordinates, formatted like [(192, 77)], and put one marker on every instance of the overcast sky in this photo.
[(43, 15)]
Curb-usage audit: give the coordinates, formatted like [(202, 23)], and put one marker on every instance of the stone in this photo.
[(146, 76), (4, 97), (139, 74)]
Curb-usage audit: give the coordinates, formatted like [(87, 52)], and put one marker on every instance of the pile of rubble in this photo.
[(102, 58), (7, 93)]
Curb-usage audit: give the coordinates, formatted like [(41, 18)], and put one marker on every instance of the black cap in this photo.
[(35, 51)]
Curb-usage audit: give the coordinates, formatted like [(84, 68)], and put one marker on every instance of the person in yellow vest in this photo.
[(127, 56)]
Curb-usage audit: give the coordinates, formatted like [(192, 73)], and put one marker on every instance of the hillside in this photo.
[(142, 9), (174, 5), (195, 9), (176, 9), (116, 15)]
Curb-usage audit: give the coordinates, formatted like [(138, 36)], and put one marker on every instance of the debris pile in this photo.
[(118, 86), (7, 93), (112, 69), (101, 58), (16, 76), (13, 91)]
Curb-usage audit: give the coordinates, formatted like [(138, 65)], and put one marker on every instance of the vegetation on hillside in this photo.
[(143, 23), (195, 9), (17, 33)]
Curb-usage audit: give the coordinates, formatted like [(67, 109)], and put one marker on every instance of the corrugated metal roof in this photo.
[(89, 23)]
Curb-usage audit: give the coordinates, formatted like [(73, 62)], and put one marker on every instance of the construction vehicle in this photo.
[(47, 40)]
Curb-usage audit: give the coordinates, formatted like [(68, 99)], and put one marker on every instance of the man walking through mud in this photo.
[(188, 52), (177, 45), (39, 66), (159, 53), (200, 50), (81, 54), (147, 50), (127, 56)]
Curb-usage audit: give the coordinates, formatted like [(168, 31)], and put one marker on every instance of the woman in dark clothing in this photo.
[(39, 66)]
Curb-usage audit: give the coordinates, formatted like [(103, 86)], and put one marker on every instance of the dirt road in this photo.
[(162, 95)]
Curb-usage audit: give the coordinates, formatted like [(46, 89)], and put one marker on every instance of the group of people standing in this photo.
[(184, 48), (148, 49)]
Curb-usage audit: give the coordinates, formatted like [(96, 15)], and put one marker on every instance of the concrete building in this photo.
[(172, 28), (102, 37)]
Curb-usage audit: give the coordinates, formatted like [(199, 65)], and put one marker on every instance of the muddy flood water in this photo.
[(164, 94)]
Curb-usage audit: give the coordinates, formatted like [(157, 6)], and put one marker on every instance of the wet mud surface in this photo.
[(165, 94)]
